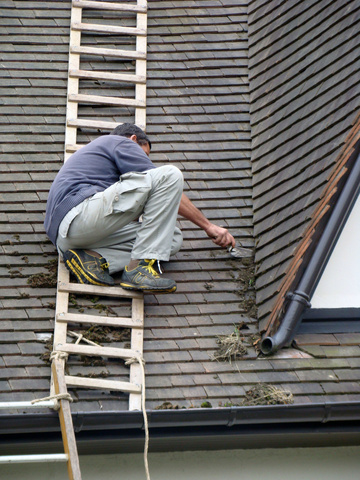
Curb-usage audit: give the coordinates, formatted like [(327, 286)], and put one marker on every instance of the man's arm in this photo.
[(219, 235)]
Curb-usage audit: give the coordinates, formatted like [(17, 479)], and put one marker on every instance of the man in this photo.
[(94, 206)]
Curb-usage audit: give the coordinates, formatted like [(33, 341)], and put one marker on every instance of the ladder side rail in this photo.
[(62, 303), (66, 423), (140, 67), (137, 340), (73, 82)]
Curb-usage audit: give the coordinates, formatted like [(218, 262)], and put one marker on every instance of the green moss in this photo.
[(167, 406), (45, 280)]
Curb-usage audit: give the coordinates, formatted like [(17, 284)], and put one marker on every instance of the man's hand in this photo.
[(220, 236)]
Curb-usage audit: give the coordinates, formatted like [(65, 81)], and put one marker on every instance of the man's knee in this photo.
[(170, 174)]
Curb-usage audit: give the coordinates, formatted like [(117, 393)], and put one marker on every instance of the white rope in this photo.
[(59, 396), (80, 337), (141, 361), (58, 355)]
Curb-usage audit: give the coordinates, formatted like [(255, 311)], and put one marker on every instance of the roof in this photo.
[(304, 121), (198, 118)]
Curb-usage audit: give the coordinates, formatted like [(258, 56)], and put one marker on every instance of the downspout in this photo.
[(299, 300)]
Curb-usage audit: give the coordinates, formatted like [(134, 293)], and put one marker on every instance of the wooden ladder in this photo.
[(135, 322), (75, 73), (60, 381)]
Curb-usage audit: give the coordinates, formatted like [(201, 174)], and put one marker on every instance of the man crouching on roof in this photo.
[(94, 206)]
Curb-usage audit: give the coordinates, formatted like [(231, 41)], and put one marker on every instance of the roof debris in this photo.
[(264, 394), (231, 347)]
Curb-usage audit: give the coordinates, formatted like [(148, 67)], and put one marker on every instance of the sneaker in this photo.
[(144, 277), (88, 268)]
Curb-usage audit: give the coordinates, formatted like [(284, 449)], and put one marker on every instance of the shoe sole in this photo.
[(129, 286), (73, 264)]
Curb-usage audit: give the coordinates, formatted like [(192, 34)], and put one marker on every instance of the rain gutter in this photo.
[(218, 428), (299, 300)]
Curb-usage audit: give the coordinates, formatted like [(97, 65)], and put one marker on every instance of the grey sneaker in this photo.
[(144, 277), (88, 268)]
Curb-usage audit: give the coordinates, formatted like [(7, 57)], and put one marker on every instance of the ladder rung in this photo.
[(44, 404), (127, 102), (50, 457), (121, 77), (97, 290), (102, 384), (73, 148), (92, 124), (110, 52), (94, 319), (112, 352), (109, 6), (93, 27)]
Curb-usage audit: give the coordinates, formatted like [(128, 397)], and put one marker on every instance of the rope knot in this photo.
[(135, 359), (58, 355)]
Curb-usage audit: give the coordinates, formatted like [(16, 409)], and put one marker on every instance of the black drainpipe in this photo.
[(299, 300)]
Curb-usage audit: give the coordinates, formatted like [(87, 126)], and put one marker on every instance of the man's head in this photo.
[(135, 133)]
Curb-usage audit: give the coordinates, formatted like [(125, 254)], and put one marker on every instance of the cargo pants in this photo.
[(108, 221)]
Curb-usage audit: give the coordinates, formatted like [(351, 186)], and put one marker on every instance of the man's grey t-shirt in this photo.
[(91, 169)]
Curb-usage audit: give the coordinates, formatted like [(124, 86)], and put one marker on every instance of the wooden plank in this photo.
[(62, 305), (109, 52), (93, 27), (73, 83), (137, 310), (121, 77), (97, 290), (109, 6), (112, 352), (126, 102), (121, 322), (137, 340), (66, 424), (101, 384), (140, 69), (92, 124)]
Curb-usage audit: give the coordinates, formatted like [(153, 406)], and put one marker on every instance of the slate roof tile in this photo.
[(286, 115), (197, 70)]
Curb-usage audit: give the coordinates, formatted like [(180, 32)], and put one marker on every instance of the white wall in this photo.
[(339, 286), (330, 463)]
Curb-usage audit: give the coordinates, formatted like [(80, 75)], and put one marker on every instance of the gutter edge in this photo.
[(319, 413)]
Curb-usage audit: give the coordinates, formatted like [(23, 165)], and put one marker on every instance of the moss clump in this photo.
[(264, 394), (45, 280), (103, 334), (206, 405), (48, 350), (92, 361), (167, 406)]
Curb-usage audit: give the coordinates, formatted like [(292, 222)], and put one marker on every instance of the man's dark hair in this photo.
[(128, 129)]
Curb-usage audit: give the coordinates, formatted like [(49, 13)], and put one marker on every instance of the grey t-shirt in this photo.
[(91, 169)]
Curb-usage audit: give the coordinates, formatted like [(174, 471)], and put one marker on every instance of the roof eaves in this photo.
[(195, 428), (312, 256)]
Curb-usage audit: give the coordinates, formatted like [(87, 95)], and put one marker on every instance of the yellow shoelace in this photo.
[(150, 269)]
